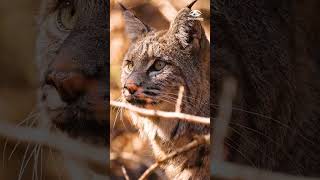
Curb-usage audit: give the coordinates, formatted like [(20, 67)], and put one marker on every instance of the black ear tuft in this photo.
[(186, 28), (134, 26), (123, 8)]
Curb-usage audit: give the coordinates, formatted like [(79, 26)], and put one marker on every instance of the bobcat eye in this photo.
[(129, 66), (66, 17), (158, 65)]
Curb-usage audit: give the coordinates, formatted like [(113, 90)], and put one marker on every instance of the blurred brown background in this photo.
[(127, 148), (18, 84), (17, 65), (18, 93)]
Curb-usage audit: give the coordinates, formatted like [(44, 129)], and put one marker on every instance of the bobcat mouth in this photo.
[(81, 123), (142, 102)]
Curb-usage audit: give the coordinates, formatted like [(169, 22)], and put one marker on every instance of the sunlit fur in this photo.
[(185, 50)]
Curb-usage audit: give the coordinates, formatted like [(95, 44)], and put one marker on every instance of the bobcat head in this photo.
[(159, 62), (72, 61), (156, 64)]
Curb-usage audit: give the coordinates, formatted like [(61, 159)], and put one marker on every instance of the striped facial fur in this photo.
[(72, 61), (151, 75), (155, 66)]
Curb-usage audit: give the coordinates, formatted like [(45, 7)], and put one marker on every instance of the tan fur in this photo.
[(186, 50)]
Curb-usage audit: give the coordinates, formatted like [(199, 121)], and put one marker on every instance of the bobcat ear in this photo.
[(186, 28), (134, 26)]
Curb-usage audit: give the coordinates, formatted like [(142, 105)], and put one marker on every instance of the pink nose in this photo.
[(68, 84), (131, 86)]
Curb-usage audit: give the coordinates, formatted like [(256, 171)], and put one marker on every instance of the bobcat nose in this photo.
[(70, 85), (132, 88)]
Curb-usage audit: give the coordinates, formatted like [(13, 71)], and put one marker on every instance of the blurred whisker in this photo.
[(41, 159), (116, 118), (31, 115), (17, 144), (121, 118), (269, 139), (23, 159), (26, 160), (241, 153), (35, 165), (113, 108)]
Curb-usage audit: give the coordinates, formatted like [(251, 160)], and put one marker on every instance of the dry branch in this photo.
[(226, 170), (166, 9), (221, 123), (195, 143), (168, 115), (125, 174), (130, 157), (179, 100), (59, 142)]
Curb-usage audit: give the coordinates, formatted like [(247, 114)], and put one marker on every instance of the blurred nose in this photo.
[(69, 84), (132, 87)]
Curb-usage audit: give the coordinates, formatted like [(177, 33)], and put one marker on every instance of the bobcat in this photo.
[(72, 59), (275, 121), (73, 65), (156, 64)]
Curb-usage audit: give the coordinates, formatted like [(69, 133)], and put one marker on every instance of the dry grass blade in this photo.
[(179, 100), (221, 124), (166, 9), (125, 174), (226, 170), (168, 115), (59, 142), (195, 143)]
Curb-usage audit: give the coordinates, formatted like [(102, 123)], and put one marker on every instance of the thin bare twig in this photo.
[(227, 170), (195, 143), (221, 123), (130, 157), (56, 141), (125, 174), (166, 9), (168, 115), (179, 100)]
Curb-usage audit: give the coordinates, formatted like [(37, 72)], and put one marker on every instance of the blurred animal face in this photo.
[(72, 62)]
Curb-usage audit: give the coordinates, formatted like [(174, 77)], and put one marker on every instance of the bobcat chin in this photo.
[(156, 64)]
